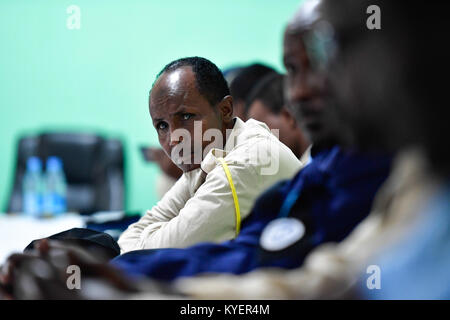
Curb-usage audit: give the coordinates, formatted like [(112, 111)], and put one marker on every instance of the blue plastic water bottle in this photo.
[(55, 187), (32, 188)]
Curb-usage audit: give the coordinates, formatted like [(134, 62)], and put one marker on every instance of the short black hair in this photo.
[(269, 90), (246, 79), (209, 79)]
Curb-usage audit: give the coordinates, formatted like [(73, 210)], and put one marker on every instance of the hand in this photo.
[(7, 274), (42, 274)]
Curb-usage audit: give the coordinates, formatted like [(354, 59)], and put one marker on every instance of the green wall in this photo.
[(97, 78)]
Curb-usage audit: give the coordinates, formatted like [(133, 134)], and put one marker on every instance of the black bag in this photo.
[(90, 240)]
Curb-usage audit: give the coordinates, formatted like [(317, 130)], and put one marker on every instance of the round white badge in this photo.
[(281, 233)]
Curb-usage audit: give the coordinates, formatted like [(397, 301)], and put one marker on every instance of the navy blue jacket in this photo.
[(331, 195)]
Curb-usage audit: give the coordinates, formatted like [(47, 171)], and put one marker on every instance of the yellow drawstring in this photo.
[(233, 192)]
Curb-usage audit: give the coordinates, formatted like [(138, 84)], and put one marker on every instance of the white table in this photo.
[(17, 231)]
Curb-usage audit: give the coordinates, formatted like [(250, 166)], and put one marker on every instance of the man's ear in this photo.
[(225, 108)]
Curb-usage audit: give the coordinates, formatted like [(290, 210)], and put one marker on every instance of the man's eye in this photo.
[(161, 126), (187, 116)]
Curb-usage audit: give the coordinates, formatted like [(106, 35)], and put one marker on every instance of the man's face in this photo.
[(175, 104), (306, 91), (368, 90), (369, 73), (259, 111)]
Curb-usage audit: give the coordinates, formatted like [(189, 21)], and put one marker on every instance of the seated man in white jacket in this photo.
[(191, 106)]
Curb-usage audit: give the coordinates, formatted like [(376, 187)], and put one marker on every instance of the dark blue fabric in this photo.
[(334, 193), (117, 226)]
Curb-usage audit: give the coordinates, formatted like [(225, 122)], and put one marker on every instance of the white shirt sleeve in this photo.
[(209, 215), (165, 210)]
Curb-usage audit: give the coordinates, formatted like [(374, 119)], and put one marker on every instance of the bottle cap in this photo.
[(34, 164), (54, 163)]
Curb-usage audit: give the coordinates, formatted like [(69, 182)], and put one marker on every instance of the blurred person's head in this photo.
[(367, 77), (387, 81), (231, 73), (304, 57), (242, 84), (266, 103), (188, 90)]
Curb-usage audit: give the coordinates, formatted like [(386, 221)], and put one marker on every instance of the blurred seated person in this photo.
[(242, 83), (192, 112), (266, 103)]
